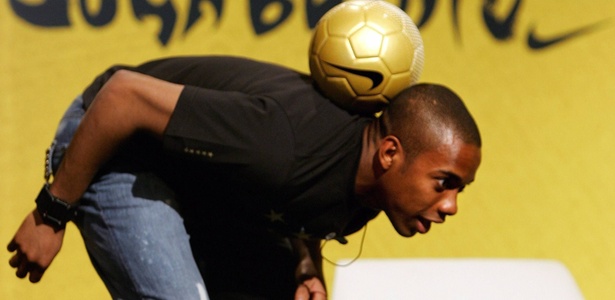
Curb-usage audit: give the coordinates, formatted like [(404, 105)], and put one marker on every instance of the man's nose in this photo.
[(448, 205)]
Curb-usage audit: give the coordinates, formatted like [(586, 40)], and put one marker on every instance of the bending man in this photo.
[(245, 149)]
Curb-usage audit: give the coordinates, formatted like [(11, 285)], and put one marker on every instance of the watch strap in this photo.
[(54, 211)]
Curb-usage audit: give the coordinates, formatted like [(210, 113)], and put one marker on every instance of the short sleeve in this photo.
[(225, 127)]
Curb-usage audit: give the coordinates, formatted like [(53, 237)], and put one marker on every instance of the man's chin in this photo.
[(406, 232)]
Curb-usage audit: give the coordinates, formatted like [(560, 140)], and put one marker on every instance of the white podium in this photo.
[(393, 279)]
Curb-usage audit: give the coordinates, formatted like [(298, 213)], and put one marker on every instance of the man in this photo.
[(247, 149)]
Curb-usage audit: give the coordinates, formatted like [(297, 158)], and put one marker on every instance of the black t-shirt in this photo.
[(258, 142)]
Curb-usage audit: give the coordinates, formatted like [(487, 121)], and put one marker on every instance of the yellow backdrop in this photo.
[(537, 75)]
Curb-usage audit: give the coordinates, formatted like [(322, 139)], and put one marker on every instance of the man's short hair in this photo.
[(419, 115)]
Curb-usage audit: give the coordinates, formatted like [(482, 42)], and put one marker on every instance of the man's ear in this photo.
[(389, 151)]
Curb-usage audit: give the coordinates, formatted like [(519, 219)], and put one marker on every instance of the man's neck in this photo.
[(365, 178)]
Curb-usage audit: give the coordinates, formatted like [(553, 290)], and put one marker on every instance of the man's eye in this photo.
[(450, 184), (441, 187)]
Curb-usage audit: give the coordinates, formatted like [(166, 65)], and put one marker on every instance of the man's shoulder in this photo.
[(225, 62)]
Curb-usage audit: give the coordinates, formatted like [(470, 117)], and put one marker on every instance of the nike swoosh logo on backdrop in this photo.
[(536, 43), (374, 76)]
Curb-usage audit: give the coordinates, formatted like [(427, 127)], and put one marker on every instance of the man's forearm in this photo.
[(316, 256), (129, 102), (310, 259)]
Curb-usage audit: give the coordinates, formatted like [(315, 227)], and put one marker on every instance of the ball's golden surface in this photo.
[(363, 53)]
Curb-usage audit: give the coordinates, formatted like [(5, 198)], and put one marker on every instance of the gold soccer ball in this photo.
[(363, 53)]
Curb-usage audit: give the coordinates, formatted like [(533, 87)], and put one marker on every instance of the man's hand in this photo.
[(35, 245), (311, 289), (309, 270)]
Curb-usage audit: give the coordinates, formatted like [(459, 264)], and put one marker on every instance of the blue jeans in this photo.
[(135, 239)]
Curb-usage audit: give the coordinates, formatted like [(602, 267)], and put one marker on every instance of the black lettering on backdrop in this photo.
[(54, 13), (105, 13), (428, 8), (195, 13), (455, 17), (257, 7), (166, 13), (501, 29), (46, 14), (315, 11)]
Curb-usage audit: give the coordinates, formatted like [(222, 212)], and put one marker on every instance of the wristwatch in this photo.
[(54, 211)]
